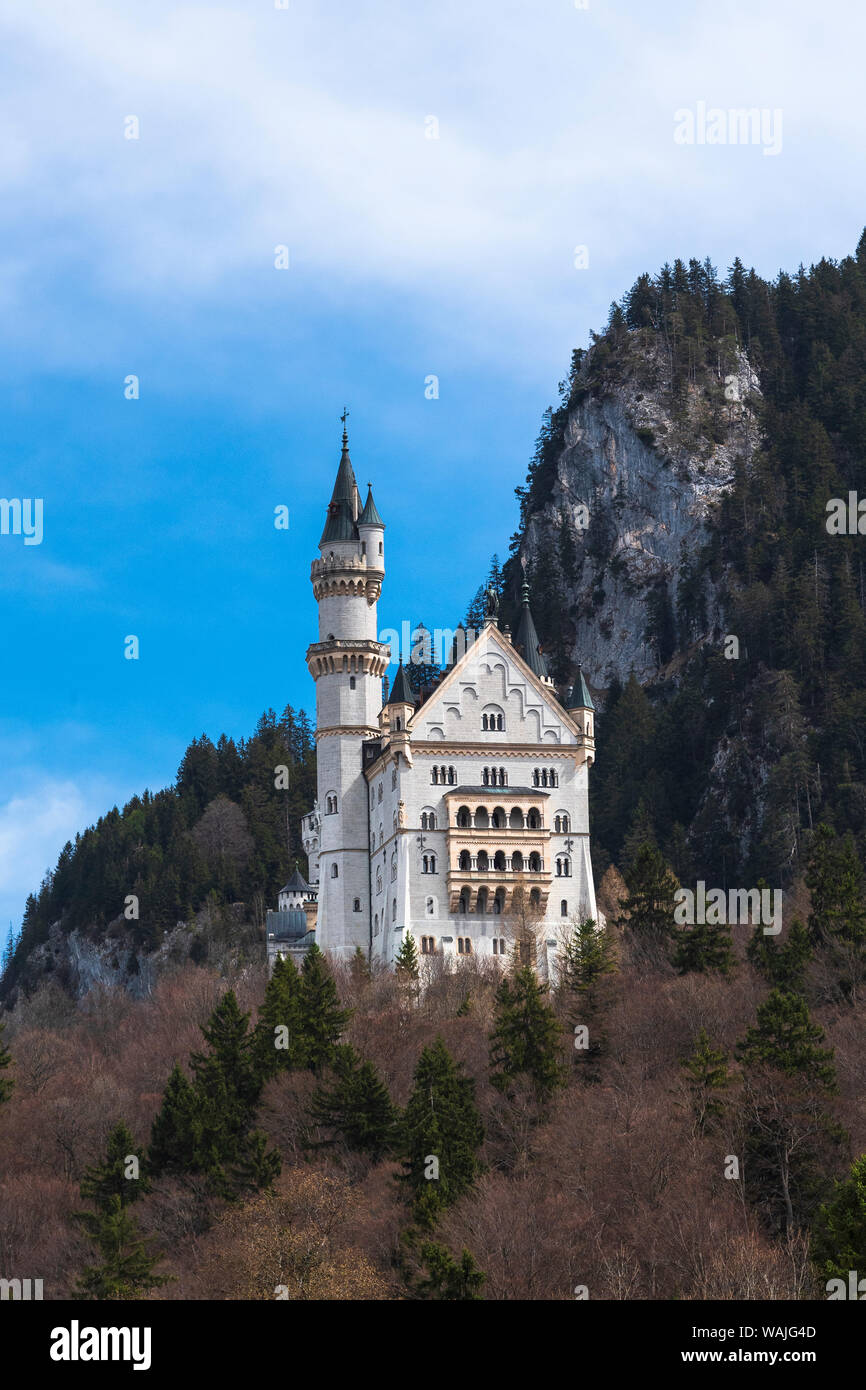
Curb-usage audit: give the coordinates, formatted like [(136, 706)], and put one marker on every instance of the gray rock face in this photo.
[(648, 481)]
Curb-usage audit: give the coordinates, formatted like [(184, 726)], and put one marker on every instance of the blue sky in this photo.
[(409, 256)]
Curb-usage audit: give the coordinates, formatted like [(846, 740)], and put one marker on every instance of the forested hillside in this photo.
[(728, 756), (224, 833)]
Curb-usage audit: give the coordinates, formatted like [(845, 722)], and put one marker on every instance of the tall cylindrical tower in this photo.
[(347, 664)]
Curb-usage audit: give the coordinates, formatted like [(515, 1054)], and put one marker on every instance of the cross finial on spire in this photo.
[(344, 417)]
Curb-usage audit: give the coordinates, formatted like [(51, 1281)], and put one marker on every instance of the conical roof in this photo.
[(526, 640), (401, 690), (296, 884), (579, 696), (343, 506), (370, 516)]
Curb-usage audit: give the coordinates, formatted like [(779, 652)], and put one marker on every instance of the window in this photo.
[(393, 867), (452, 777), (379, 793), (463, 905), (503, 777), (465, 862), (430, 907), (394, 910), (499, 945), (331, 804), (497, 820), (517, 862), (393, 778), (335, 871), (485, 777), (563, 908), (561, 824), (356, 905), (378, 880), (398, 724), (483, 861), (464, 946), (500, 722), (533, 820), (535, 864), (428, 945), (536, 778), (434, 776), (428, 864), (428, 820), (376, 925), (484, 721), (351, 682), (563, 866), (380, 547), (463, 818)]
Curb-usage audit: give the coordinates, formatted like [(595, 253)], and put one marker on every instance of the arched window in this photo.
[(434, 776), (500, 722), (484, 721), (482, 819), (428, 864), (356, 905), (393, 909), (376, 925), (463, 818), (452, 777), (351, 682), (536, 778), (517, 861), (499, 901), (485, 777), (393, 867), (535, 863), (428, 945), (554, 778), (443, 773), (335, 871), (398, 723), (499, 861), (483, 861), (378, 880), (482, 901), (533, 820), (563, 908), (544, 777), (379, 793), (535, 898), (431, 907), (503, 777), (515, 819), (498, 819), (393, 778), (464, 946), (463, 904), (563, 866), (465, 863)]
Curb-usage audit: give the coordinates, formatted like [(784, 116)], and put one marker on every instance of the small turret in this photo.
[(526, 641), (371, 533), (579, 705)]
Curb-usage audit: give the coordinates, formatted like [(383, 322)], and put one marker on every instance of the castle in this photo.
[(460, 815)]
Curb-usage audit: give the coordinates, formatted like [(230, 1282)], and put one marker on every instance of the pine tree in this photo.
[(278, 1037), (6, 1082), (257, 1167), (648, 910), (406, 961), (126, 1269), (589, 961), (442, 1132), (837, 922), (790, 1139), (448, 1278), (783, 964), (838, 1242), (359, 966), (356, 1105), (227, 1086), (707, 1069), (703, 947), (526, 1037), (111, 1177), (322, 1018), (175, 1136)]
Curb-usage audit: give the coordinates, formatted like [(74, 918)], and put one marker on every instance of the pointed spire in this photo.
[(401, 690), (579, 696), (526, 640), (343, 506), (370, 516)]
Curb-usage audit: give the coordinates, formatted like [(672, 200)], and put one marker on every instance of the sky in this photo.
[(461, 191)]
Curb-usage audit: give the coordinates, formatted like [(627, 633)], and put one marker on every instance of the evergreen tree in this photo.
[(175, 1136), (360, 968), (322, 1018), (111, 1176), (791, 1141), (6, 1082), (526, 1037), (648, 910), (126, 1269), (278, 1037), (442, 1132), (839, 1233), (355, 1104), (703, 947), (256, 1167), (707, 1070), (837, 922), (406, 961), (447, 1278), (226, 1080), (588, 963), (783, 964)]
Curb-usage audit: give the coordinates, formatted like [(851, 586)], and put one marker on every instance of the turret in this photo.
[(579, 705), (526, 641)]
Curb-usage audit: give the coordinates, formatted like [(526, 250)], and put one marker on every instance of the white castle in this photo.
[(448, 815)]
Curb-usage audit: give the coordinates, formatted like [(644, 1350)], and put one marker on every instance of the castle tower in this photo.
[(347, 664)]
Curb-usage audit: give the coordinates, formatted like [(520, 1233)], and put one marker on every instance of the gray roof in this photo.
[(296, 883), (287, 926), (502, 791), (401, 690), (579, 696), (526, 640), (343, 506), (370, 516)]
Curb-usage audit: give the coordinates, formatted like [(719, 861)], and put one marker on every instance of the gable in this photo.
[(491, 680)]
